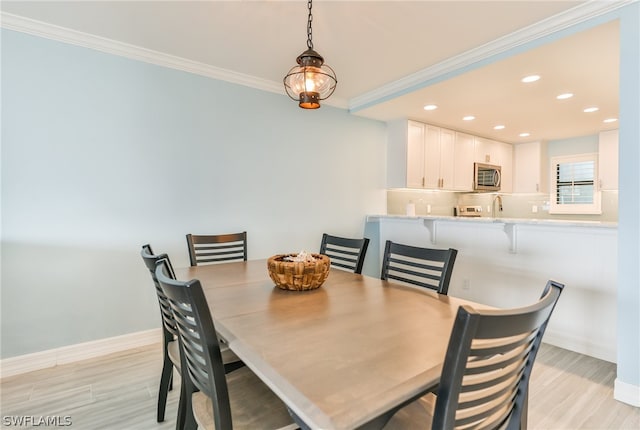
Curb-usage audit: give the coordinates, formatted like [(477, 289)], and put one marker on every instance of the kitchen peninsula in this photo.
[(503, 262)]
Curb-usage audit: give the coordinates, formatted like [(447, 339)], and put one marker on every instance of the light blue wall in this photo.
[(101, 154)]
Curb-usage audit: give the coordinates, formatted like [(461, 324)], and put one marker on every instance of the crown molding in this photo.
[(109, 46), (78, 38), (546, 27)]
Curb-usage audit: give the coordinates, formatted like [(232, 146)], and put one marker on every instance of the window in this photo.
[(574, 189)]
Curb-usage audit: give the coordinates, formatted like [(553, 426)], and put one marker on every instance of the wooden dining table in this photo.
[(343, 356)]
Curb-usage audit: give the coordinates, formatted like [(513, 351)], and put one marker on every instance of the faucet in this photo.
[(497, 198)]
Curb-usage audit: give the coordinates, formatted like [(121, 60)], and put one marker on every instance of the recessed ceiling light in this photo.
[(530, 78), (468, 118), (499, 127), (608, 120), (525, 134), (430, 107), (590, 109), (564, 96)]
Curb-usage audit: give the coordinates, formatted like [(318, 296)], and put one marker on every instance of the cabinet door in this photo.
[(504, 159), (527, 168), (432, 157), (484, 150), (608, 160), (463, 163), (415, 155), (447, 158)]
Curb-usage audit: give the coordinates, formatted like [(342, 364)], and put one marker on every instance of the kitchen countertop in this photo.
[(488, 220)]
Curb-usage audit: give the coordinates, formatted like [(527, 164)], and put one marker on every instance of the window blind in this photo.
[(575, 183)]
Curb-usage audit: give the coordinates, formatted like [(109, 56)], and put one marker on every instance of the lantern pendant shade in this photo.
[(310, 81)]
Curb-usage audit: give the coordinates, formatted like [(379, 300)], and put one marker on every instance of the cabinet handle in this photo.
[(537, 187), (423, 182)]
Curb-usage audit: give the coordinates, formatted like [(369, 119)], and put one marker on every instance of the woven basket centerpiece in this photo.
[(298, 272)]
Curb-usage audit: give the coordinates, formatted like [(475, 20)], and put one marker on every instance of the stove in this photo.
[(470, 211)]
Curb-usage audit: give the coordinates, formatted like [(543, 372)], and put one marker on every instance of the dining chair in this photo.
[(170, 349), (485, 377), (345, 253), (425, 267), (220, 248), (239, 400)]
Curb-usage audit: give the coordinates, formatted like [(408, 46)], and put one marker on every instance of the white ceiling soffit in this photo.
[(585, 64), (555, 23)]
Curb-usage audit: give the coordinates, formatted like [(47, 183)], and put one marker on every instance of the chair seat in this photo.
[(253, 404), (173, 350), (416, 415)]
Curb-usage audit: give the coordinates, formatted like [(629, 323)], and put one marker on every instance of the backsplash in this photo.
[(441, 203), (427, 202)]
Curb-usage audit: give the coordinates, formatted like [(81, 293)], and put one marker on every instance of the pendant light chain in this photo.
[(309, 33)]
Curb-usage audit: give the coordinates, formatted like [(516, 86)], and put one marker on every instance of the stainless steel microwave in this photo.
[(486, 177)]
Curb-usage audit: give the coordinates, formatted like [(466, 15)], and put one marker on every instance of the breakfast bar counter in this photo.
[(498, 220)]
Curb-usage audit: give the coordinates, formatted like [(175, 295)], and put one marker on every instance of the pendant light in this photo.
[(311, 80)]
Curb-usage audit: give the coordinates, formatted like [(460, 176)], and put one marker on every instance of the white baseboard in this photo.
[(81, 351), (626, 393), (581, 345)]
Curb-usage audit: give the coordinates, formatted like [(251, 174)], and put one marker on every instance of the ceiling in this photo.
[(383, 53)]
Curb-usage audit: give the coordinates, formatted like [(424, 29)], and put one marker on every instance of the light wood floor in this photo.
[(119, 391)]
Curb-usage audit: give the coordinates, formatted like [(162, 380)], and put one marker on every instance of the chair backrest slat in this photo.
[(345, 253), (425, 267), (485, 377), (208, 249)]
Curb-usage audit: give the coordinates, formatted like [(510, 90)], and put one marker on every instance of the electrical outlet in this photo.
[(428, 209), (465, 284), (489, 209), (534, 209)]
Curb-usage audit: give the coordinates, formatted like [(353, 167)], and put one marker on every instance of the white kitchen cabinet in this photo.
[(485, 150), (608, 160), (491, 152), (429, 155), (425, 156), (415, 154), (438, 171), (463, 162), (530, 170)]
